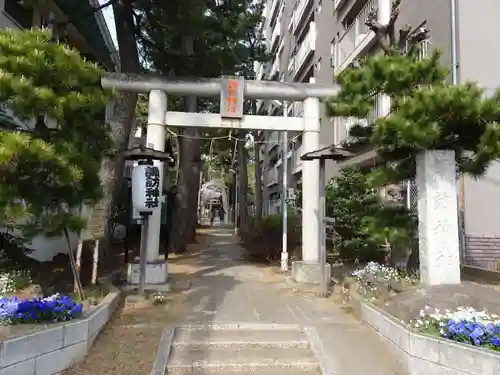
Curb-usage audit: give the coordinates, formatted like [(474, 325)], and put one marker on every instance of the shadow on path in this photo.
[(226, 289)]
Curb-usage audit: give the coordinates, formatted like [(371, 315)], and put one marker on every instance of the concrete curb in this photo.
[(52, 350), (324, 358), (419, 354), (163, 352)]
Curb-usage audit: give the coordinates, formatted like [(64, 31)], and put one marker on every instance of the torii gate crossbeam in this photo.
[(211, 87), (251, 122), (309, 269)]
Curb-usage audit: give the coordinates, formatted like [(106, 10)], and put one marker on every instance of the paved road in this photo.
[(227, 290)]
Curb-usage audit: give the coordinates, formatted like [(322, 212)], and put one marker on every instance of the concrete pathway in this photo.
[(226, 290)]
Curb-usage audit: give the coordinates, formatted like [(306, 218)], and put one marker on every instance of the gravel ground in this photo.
[(120, 351), (127, 346)]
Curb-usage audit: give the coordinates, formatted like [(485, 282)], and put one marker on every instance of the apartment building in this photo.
[(291, 34), (317, 39)]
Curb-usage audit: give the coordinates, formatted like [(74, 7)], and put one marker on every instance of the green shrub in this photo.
[(263, 241), (363, 224)]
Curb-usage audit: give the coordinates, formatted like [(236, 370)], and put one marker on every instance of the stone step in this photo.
[(278, 371), (187, 358), (240, 338)]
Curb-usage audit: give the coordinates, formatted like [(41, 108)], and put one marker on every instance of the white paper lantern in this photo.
[(146, 188)]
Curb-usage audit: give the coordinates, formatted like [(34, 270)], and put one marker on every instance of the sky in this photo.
[(110, 20)]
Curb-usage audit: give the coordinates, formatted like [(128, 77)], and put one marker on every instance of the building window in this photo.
[(318, 65), (21, 13)]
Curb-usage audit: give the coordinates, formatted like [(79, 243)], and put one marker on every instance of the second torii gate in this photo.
[(233, 91)]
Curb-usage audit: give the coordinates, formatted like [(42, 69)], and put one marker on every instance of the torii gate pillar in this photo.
[(309, 269), (156, 268)]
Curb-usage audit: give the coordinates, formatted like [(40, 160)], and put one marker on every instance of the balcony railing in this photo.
[(299, 12), (306, 48), (356, 32)]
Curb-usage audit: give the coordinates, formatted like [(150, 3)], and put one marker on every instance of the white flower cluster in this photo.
[(434, 317), (158, 298), (9, 280), (378, 271), (52, 297)]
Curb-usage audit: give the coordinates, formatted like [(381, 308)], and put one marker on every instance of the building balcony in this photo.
[(260, 105), (356, 38), (273, 140), (336, 4), (272, 176), (273, 11), (298, 13), (275, 69), (379, 109), (296, 162), (275, 36), (298, 109), (260, 68), (307, 47), (262, 152), (290, 67)]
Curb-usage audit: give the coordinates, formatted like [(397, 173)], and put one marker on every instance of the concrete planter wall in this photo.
[(52, 350), (420, 354)]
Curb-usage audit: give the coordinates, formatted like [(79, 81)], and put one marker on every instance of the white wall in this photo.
[(47, 248), (482, 203)]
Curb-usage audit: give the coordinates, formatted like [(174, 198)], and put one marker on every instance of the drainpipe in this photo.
[(454, 81), (453, 10)]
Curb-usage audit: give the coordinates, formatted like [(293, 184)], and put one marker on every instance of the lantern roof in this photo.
[(142, 152)]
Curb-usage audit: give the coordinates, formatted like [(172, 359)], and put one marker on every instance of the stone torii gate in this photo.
[(232, 92)]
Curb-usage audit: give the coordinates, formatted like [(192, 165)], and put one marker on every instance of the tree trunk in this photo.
[(189, 174), (258, 182), (193, 199), (194, 176), (243, 182), (258, 172), (120, 116)]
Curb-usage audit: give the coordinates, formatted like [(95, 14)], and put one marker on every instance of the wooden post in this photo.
[(95, 262), (78, 262)]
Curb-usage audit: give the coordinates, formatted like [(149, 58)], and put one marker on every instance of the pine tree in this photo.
[(427, 112), (47, 173)]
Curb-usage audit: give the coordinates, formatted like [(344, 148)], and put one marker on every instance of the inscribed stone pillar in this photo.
[(438, 218)]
